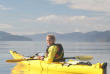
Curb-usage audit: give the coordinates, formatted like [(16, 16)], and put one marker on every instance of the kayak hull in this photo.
[(63, 67)]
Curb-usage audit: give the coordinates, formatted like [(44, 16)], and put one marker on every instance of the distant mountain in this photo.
[(94, 36), (9, 37), (41, 37)]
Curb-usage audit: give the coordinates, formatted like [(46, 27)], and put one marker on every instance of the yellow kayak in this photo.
[(73, 67)]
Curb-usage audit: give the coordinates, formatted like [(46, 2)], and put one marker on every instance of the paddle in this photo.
[(76, 57), (83, 58)]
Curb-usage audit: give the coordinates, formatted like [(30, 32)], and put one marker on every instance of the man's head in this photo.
[(50, 39)]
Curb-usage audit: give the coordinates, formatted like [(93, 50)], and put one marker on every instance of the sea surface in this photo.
[(99, 50)]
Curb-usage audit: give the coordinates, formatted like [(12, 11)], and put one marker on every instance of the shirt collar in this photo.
[(51, 44)]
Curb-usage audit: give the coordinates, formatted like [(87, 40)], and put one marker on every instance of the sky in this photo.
[(27, 17)]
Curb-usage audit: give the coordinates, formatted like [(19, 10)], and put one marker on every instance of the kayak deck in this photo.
[(78, 68)]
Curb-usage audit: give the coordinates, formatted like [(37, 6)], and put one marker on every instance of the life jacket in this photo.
[(59, 54)]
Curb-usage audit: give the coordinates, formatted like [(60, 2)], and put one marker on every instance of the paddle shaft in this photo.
[(19, 60), (77, 57), (69, 58)]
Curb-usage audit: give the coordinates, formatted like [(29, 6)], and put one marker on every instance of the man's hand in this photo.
[(41, 57)]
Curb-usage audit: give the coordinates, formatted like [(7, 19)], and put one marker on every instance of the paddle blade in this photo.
[(84, 58), (15, 60)]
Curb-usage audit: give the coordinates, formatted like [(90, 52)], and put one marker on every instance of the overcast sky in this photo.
[(25, 17)]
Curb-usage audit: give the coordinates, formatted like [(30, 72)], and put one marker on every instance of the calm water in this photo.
[(100, 51)]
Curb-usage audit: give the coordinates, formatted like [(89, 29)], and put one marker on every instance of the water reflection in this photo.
[(22, 69)]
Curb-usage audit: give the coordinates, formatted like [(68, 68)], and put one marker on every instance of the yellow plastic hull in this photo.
[(61, 67)]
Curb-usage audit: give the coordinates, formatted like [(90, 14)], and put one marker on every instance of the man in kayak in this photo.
[(54, 52)]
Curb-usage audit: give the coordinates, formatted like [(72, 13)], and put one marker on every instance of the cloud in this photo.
[(76, 30), (95, 5), (5, 26), (69, 20), (74, 23), (56, 19), (23, 33), (4, 8)]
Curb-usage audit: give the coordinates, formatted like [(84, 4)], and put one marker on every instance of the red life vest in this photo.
[(59, 54)]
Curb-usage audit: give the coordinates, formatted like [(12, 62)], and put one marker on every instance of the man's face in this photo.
[(49, 41)]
